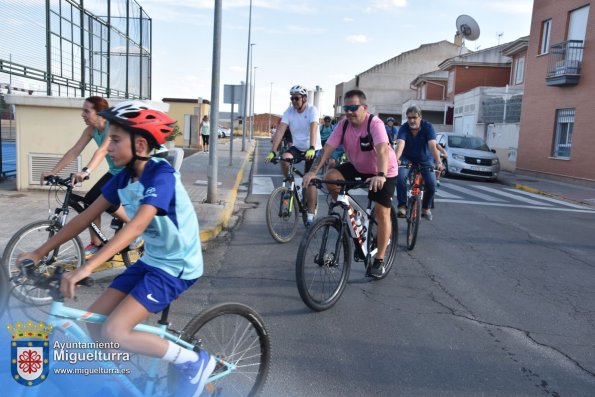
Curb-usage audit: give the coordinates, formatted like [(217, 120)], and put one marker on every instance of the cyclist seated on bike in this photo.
[(391, 130), (337, 157), (371, 158), (97, 130), (325, 129), (152, 194), (416, 144), (302, 119)]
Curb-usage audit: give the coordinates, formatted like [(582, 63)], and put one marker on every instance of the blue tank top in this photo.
[(99, 139)]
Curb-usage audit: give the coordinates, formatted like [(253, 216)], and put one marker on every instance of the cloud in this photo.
[(348, 19), (357, 38), (387, 4), (511, 7), (237, 69)]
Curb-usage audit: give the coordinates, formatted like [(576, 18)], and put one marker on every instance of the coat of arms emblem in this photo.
[(29, 348)]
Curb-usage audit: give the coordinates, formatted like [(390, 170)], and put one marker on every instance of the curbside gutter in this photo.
[(223, 221)]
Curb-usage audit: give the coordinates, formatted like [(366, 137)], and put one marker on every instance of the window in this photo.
[(563, 137), (519, 70), (546, 27), (451, 81)]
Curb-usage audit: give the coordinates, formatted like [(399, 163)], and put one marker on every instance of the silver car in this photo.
[(469, 156)]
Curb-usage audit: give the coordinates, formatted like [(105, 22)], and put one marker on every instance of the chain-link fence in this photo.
[(75, 48)]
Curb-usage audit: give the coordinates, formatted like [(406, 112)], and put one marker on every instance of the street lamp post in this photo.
[(252, 102), (247, 81), (270, 106)]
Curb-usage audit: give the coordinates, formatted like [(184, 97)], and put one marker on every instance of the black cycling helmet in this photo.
[(327, 118)]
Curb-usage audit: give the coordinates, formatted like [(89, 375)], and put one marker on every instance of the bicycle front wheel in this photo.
[(391, 249), (282, 214), (323, 263), (4, 289), (70, 255), (235, 333), (413, 221)]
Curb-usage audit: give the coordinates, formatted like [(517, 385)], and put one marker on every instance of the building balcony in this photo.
[(564, 63)]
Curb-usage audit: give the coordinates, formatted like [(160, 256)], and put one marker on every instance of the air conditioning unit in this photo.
[(40, 162)]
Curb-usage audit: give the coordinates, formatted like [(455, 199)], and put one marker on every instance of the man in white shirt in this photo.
[(302, 120)]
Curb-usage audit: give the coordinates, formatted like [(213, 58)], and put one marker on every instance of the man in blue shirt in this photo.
[(416, 144)]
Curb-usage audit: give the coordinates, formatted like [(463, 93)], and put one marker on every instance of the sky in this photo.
[(307, 42)]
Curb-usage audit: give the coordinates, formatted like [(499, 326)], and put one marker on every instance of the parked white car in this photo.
[(468, 156), (223, 132)]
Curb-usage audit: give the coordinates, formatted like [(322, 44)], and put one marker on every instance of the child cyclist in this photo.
[(154, 198)]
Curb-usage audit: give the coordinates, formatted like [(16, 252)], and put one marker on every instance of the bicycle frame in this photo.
[(350, 208), (73, 200), (62, 317), (289, 182)]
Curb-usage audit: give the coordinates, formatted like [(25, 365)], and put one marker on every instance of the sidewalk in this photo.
[(20, 208), (569, 191)]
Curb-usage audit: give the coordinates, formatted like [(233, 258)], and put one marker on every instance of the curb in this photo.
[(223, 221), (541, 192)]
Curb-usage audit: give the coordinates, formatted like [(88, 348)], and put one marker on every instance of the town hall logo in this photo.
[(30, 357)]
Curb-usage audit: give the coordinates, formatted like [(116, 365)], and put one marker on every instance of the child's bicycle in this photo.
[(70, 254), (232, 332), (324, 257), (285, 204)]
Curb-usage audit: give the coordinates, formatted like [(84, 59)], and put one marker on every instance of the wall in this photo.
[(469, 77), (51, 125), (504, 139), (541, 101), (387, 85)]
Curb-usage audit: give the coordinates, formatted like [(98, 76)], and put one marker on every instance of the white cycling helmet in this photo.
[(298, 89)]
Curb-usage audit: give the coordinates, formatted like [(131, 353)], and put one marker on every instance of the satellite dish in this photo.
[(467, 27)]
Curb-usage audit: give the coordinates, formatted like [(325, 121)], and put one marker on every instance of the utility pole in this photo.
[(212, 167), (247, 80)]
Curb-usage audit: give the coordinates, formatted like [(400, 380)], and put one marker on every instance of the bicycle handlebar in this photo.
[(57, 180)]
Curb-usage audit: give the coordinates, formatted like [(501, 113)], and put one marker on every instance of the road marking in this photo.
[(512, 196), (533, 207), (262, 185), (442, 193), (546, 198), (472, 193)]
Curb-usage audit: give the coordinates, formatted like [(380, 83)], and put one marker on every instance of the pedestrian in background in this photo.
[(205, 132)]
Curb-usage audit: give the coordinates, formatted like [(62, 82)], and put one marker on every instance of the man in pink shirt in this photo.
[(370, 158)]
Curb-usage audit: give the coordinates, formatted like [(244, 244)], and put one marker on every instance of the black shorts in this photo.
[(383, 197), (95, 192), (298, 155)]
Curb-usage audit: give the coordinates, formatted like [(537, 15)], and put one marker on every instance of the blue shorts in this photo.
[(151, 286)]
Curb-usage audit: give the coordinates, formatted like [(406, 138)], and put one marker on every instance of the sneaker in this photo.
[(137, 243), (194, 375), (309, 222), (427, 214), (91, 250), (402, 212), (377, 270)]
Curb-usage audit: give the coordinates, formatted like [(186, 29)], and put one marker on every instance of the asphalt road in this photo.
[(495, 300)]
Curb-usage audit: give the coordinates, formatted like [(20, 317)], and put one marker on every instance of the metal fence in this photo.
[(8, 156), (75, 48)]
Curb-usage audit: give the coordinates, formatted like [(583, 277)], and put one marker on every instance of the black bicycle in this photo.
[(285, 204), (70, 255), (324, 257)]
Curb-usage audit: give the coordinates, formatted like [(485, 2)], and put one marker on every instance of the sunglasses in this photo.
[(350, 108), (295, 98)]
